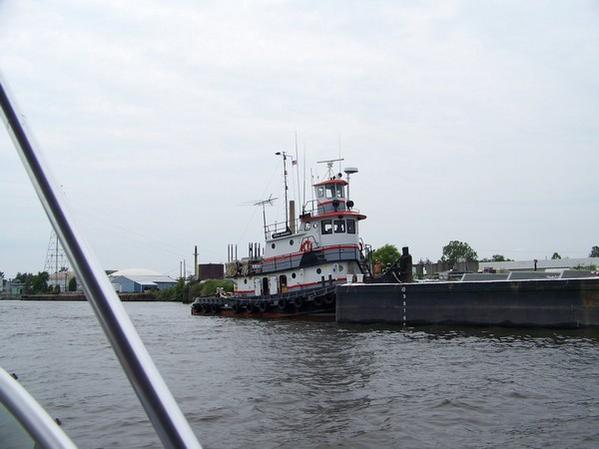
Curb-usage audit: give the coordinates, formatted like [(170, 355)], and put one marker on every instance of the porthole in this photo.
[(318, 271), (273, 246), (307, 226), (293, 275), (291, 242)]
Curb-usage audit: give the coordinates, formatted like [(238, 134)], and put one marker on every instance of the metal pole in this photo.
[(56, 264), (286, 188), (31, 415), (282, 153), (157, 400)]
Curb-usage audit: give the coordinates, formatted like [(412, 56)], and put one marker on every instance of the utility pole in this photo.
[(195, 263)]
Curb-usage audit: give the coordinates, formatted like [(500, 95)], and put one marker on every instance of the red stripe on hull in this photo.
[(321, 248)]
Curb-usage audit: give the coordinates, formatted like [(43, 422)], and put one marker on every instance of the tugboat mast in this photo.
[(282, 153)]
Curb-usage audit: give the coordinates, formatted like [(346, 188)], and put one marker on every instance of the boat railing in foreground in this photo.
[(158, 402), (32, 417)]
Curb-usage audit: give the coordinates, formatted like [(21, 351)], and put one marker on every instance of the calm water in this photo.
[(260, 384)]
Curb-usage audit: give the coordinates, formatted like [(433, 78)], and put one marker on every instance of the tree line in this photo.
[(34, 284)]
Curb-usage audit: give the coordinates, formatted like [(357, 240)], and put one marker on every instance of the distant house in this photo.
[(139, 280), (15, 287), (60, 280)]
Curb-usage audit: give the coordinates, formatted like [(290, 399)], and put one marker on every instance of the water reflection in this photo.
[(557, 336)]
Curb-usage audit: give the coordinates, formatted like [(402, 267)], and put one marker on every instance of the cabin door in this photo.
[(283, 283), (265, 289), (257, 287)]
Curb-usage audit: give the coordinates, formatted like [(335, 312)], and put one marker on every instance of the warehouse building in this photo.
[(540, 265), (139, 280)]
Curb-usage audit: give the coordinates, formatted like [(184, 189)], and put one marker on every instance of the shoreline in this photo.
[(81, 297)]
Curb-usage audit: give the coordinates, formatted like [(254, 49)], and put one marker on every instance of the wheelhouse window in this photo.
[(320, 192), (351, 226), (339, 226), (340, 193), (330, 191), (326, 227)]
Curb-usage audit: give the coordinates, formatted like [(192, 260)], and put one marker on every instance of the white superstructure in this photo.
[(322, 247)]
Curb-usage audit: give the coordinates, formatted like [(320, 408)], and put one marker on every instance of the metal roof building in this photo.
[(543, 264), (138, 280)]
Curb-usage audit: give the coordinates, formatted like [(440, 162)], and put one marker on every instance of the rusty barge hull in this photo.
[(552, 303)]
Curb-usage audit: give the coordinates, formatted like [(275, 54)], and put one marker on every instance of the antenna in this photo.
[(339, 142), (297, 178), (304, 193), (263, 203), (330, 163)]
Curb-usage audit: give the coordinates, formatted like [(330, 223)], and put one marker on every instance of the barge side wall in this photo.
[(536, 303)]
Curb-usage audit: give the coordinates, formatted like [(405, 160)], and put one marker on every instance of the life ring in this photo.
[(282, 304), (329, 299), (261, 306), (306, 246)]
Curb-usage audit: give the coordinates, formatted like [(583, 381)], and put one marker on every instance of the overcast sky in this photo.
[(468, 120)]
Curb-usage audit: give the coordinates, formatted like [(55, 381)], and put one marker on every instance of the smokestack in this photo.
[(292, 216)]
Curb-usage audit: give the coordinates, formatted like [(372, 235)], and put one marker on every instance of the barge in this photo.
[(564, 302)]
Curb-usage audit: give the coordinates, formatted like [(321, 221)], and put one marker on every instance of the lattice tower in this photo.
[(56, 259)]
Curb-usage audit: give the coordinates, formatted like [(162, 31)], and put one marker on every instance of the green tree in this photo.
[(73, 284), (176, 293), (594, 251), (40, 282), (387, 254), (556, 256), (455, 251), (33, 283)]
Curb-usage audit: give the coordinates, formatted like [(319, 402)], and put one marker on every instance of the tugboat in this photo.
[(303, 259)]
